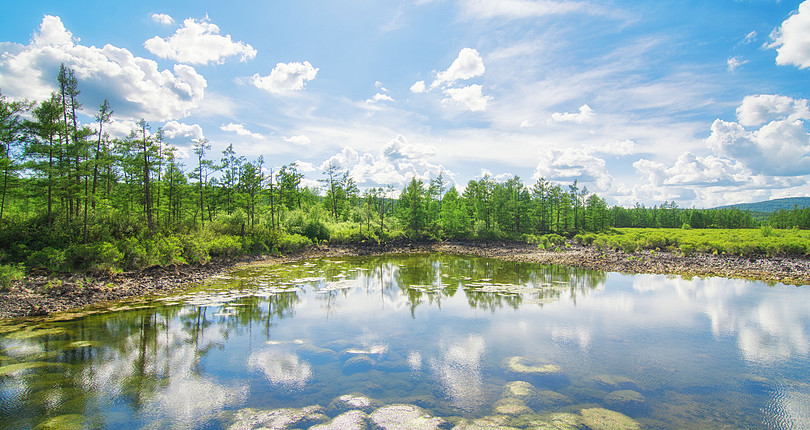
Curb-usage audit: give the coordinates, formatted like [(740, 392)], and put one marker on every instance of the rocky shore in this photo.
[(42, 294)]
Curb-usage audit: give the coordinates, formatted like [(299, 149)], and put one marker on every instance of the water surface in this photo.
[(437, 331)]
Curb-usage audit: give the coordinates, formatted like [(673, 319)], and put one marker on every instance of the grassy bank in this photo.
[(760, 242)]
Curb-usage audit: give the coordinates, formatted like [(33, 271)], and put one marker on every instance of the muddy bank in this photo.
[(40, 294)]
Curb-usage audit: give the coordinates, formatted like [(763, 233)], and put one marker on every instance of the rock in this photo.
[(278, 419), (533, 370), (351, 420), (605, 419), (511, 406), (549, 400), (627, 401), (560, 421), (405, 417), (613, 383), (358, 364), (497, 422), (63, 422), (349, 402), (317, 354), (521, 390)]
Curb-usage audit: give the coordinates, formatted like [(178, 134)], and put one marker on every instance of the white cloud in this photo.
[(750, 37), (792, 39), (692, 170), (134, 86), (286, 77), (735, 62), (379, 97), (616, 147), (566, 165), (240, 130), (526, 124), (418, 87), (469, 96), (585, 114), (468, 64), (174, 130), (162, 18), (397, 162), (199, 42), (298, 140), (778, 148), (758, 109), (484, 9)]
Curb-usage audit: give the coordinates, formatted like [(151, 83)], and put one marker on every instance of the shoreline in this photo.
[(39, 295)]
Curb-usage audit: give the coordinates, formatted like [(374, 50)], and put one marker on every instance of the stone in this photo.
[(405, 417), (278, 419), (349, 402), (351, 420), (605, 419), (511, 406), (627, 401), (534, 370), (358, 364), (613, 383)]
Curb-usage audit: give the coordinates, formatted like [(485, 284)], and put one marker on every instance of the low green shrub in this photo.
[(10, 273)]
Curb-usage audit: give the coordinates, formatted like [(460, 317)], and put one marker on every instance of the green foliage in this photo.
[(10, 273)]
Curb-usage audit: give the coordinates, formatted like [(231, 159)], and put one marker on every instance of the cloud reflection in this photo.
[(458, 370), (281, 368)]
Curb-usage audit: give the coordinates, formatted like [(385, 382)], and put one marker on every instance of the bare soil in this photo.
[(41, 293)]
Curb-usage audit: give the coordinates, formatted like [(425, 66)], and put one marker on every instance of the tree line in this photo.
[(71, 195)]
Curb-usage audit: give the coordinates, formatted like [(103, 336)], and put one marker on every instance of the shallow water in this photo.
[(445, 333)]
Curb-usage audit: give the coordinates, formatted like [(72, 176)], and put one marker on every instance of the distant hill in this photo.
[(771, 206)]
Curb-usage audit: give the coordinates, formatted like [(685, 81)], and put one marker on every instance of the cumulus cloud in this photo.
[(690, 169), (469, 96), (778, 148), (397, 162), (756, 110), (418, 87), (162, 18), (585, 114), (199, 42), (286, 77), (175, 130), (468, 64), (240, 130), (566, 165), (134, 86), (379, 97), (792, 39)]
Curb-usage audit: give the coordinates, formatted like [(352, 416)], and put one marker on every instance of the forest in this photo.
[(74, 199)]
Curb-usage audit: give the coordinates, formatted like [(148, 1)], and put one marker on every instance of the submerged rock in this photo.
[(317, 354), (521, 390), (278, 419), (627, 401), (63, 422), (549, 400), (613, 383), (358, 364), (605, 419), (536, 370), (560, 421), (351, 420), (349, 402), (405, 417), (511, 406), (497, 422)]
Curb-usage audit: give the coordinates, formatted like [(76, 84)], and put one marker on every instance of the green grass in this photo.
[(765, 241)]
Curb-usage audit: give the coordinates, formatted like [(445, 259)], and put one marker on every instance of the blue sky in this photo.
[(702, 103)]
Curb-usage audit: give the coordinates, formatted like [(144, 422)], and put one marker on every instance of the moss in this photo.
[(526, 366), (10, 369), (605, 419), (63, 422)]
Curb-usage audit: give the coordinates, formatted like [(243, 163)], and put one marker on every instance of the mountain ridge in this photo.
[(770, 206)]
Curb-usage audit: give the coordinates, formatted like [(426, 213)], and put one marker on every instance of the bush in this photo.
[(225, 246), (10, 273), (50, 258)]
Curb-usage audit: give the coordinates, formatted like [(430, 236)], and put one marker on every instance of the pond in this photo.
[(419, 341)]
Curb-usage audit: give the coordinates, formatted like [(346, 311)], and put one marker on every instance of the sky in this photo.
[(700, 103)]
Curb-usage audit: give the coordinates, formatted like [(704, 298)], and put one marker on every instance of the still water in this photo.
[(419, 341)]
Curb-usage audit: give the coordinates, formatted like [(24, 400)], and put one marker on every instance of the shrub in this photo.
[(10, 273), (225, 246), (50, 258)]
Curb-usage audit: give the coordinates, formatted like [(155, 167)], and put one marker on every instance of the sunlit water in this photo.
[(440, 332)]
